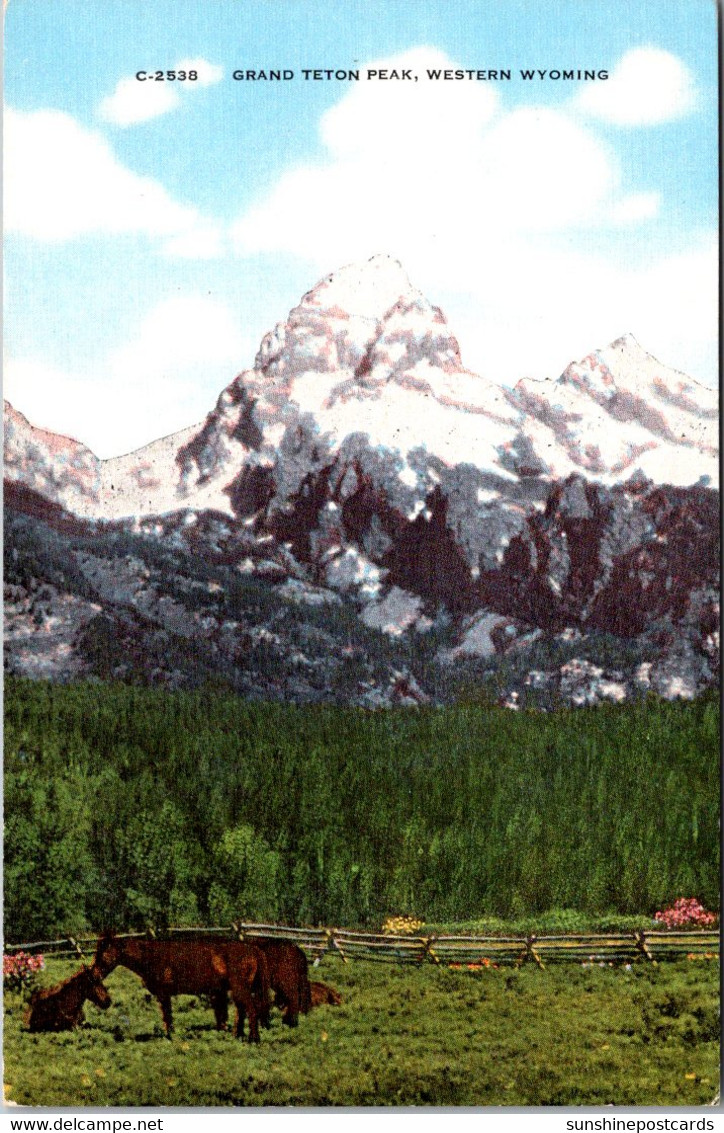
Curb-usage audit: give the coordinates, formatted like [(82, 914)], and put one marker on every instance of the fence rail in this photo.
[(441, 949)]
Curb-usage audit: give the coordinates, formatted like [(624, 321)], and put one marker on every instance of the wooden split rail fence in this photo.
[(444, 949)]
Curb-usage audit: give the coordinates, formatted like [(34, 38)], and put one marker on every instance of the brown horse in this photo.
[(323, 993), (61, 1008), (194, 967), (288, 979), (288, 976)]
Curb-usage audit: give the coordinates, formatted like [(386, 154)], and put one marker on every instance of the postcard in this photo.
[(361, 555)]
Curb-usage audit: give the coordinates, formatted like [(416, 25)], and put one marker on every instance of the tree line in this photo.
[(127, 806)]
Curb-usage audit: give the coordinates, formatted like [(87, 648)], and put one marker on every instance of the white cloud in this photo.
[(648, 86), (178, 335), (636, 207), (424, 170), (168, 376), (134, 101), (538, 170), (495, 215), (544, 306), (676, 304), (139, 100), (50, 397), (63, 181), (499, 216), (406, 120), (202, 242)]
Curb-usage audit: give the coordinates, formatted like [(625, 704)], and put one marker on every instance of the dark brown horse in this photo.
[(207, 966), (288, 978), (323, 993), (61, 1008)]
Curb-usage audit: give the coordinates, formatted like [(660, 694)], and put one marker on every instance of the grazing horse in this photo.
[(288, 976), (323, 993), (61, 1008), (194, 967)]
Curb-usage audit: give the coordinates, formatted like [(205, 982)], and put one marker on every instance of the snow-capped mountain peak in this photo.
[(358, 457), (366, 290), (365, 355)]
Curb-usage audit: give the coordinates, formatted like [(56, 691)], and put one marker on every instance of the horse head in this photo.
[(109, 951), (95, 989)]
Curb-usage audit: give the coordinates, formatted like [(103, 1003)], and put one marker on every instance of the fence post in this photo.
[(428, 942), (334, 943), (329, 944), (530, 952), (74, 944), (318, 958), (640, 938)]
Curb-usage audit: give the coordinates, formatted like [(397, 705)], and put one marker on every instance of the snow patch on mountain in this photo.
[(57, 467), (397, 612)]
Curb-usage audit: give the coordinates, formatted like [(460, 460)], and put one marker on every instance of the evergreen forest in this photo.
[(132, 807)]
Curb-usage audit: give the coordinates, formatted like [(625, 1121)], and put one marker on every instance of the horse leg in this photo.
[(220, 1004), (260, 993), (290, 1016), (281, 1001), (164, 1000), (253, 1019), (245, 1005), (240, 1014), (264, 1012)]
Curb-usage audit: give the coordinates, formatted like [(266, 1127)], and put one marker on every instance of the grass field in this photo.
[(404, 1035)]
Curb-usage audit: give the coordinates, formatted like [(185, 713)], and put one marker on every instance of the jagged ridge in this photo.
[(360, 456)]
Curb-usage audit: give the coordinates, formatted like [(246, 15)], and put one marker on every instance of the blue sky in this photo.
[(155, 232)]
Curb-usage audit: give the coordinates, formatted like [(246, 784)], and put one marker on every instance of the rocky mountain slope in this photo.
[(557, 542)]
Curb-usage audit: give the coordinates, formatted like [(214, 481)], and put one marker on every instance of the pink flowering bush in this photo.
[(19, 970), (686, 912)]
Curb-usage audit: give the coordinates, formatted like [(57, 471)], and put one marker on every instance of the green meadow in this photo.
[(134, 807), (404, 1035)]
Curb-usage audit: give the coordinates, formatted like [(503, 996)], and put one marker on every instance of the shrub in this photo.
[(686, 912), (19, 970), (402, 926)]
